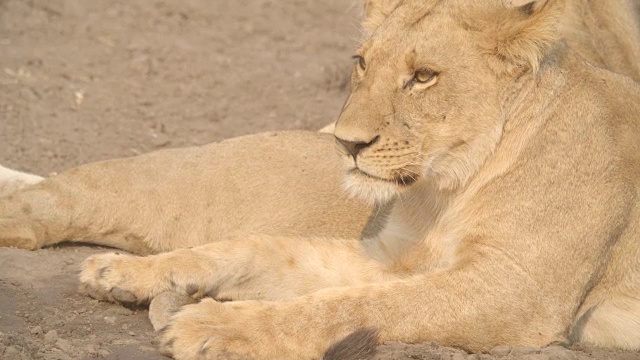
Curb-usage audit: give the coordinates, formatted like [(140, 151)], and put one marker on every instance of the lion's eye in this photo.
[(422, 79), (424, 76), (361, 62)]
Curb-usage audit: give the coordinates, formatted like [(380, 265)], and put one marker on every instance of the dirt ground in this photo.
[(88, 80)]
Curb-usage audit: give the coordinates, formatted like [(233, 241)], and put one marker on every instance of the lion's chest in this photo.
[(422, 235)]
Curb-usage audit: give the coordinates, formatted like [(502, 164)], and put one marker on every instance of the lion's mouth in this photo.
[(400, 180)]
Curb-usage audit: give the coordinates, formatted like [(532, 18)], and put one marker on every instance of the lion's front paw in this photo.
[(117, 278), (213, 330)]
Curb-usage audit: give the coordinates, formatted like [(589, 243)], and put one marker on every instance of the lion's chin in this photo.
[(373, 190)]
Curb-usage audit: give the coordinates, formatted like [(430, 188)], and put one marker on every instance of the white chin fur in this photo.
[(370, 190)]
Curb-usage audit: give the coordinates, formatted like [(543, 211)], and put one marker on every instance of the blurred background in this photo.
[(85, 80)]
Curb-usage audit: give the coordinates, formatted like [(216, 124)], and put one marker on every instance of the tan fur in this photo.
[(186, 197), (606, 33), (11, 181), (504, 192), (164, 306)]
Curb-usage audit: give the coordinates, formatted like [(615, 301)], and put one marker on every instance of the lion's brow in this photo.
[(418, 20), (419, 10)]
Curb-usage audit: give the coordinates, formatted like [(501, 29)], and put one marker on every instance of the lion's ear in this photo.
[(376, 12), (523, 31)]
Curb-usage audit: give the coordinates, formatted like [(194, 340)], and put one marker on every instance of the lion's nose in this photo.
[(354, 147)]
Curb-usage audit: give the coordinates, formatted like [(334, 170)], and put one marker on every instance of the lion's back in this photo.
[(607, 33)]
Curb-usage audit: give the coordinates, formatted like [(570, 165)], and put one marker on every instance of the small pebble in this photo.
[(92, 349), (534, 357), (11, 353), (563, 356), (36, 330), (125, 327), (117, 311), (110, 319), (500, 351), (51, 337), (103, 353), (148, 349), (524, 350), (559, 353), (160, 140), (132, 333), (64, 345)]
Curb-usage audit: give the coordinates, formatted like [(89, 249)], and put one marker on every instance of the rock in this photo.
[(58, 355), (534, 357), (160, 140), (559, 353), (64, 345), (500, 351), (12, 353), (524, 350), (36, 330), (103, 353), (92, 350), (117, 311), (148, 349), (51, 337), (567, 355), (142, 64)]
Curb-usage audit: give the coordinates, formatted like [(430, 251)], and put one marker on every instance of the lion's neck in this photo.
[(525, 99), (529, 103), (431, 215)]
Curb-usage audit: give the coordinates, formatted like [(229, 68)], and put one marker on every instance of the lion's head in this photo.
[(428, 88)]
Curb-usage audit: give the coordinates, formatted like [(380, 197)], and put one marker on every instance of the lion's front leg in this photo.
[(261, 267), (463, 308), (242, 330), (303, 328)]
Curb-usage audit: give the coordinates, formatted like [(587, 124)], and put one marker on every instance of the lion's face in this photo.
[(425, 103)]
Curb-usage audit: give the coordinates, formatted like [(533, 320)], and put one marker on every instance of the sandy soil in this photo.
[(89, 80)]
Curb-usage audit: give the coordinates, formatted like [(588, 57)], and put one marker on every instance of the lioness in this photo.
[(606, 34), (603, 32), (505, 168)]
